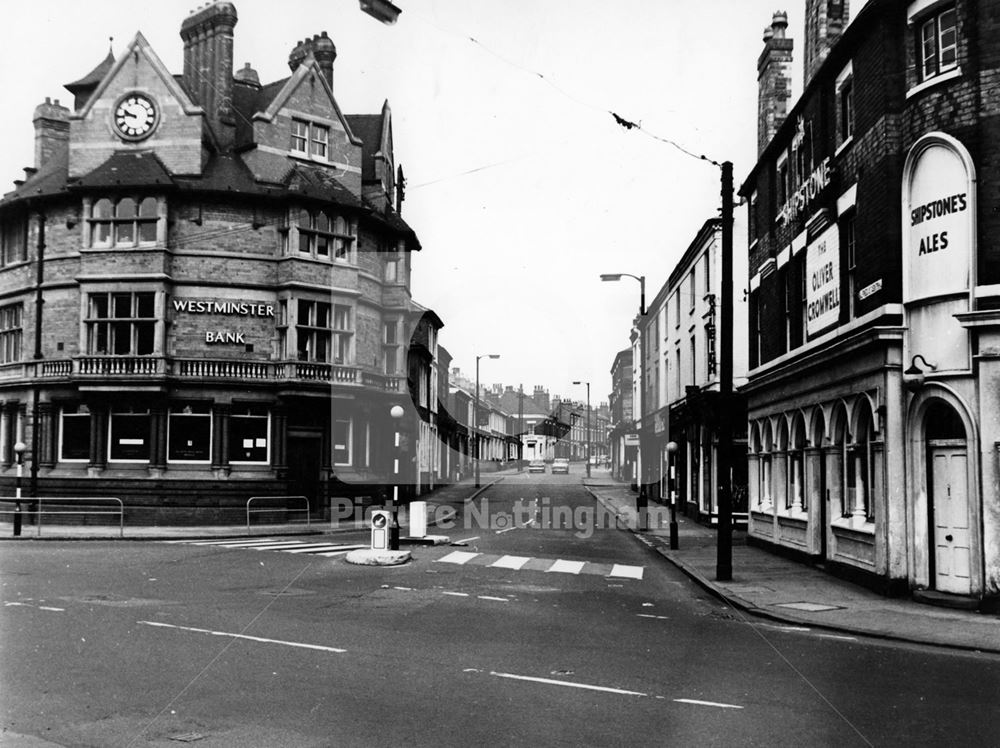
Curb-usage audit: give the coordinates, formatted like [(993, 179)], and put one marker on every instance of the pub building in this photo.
[(874, 299), (205, 287)]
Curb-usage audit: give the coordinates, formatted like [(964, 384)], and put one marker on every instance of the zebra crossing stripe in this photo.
[(510, 562), (318, 547), (458, 557), (566, 567), (229, 542), (628, 572)]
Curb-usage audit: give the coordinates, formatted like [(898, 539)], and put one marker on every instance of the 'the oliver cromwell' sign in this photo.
[(823, 281)]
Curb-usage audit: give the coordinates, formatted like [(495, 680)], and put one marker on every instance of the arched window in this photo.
[(860, 467), (764, 499), (839, 483), (797, 501), (325, 235), (125, 222)]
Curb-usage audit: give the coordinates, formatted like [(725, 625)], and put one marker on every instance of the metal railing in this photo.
[(277, 508), (89, 502)]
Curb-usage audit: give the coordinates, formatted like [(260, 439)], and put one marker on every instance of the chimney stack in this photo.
[(208, 65), (322, 48), (51, 121), (774, 80), (825, 22)]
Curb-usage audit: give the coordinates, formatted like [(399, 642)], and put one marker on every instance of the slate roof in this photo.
[(95, 76), (127, 169), (368, 128), (48, 180)]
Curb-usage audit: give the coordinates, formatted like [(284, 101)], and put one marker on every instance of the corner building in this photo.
[(204, 286), (874, 331)]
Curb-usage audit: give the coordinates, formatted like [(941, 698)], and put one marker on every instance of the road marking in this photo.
[(46, 607), (566, 567), (568, 684), (277, 546), (508, 529), (404, 589), (301, 645), (785, 628), (318, 547), (455, 594), (467, 540), (650, 615), (835, 636), (331, 554), (628, 572), (510, 562), (227, 542), (36, 607), (497, 599), (708, 703), (458, 557)]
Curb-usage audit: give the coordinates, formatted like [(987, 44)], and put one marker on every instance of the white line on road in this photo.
[(649, 615), (840, 638), (318, 547), (46, 607), (261, 639), (455, 594), (708, 703), (498, 599), (467, 540), (568, 684)]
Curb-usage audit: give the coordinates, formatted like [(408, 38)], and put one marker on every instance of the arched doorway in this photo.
[(948, 499)]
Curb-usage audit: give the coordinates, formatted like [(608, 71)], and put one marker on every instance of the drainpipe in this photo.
[(39, 301)]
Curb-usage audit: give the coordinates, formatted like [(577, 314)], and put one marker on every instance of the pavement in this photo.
[(794, 593), (441, 502)]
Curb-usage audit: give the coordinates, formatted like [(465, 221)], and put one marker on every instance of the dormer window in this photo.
[(124, 222), (310, 139)]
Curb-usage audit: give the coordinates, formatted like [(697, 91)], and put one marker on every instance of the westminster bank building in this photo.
[(204, 286)]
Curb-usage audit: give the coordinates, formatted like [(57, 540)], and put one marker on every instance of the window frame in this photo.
[(930, 66), (93, 323), (113, 222), (76, 413), (177, 410), (326, 236), (147, 416), (252, 412), (11, 332)]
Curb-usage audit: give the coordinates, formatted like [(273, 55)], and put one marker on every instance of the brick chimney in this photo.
[(208, 65), (541, 396), (321, 47), (774, 80), (51, 131), (825, 22)]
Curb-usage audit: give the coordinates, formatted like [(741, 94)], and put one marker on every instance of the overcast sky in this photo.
[(521, 186)]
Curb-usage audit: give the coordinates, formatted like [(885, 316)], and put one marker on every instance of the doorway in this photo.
[(950, 533), (304, 466)]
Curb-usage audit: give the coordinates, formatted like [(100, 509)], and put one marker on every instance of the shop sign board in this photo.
[(937, 221), (823, 281)]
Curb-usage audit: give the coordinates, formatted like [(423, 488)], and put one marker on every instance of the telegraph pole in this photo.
[(724, 561)]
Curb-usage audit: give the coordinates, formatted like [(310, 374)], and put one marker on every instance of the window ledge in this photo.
[(854, 524), (843, 146), (931, 82)]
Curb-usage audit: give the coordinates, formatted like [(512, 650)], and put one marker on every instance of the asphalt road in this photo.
[(533, 628)]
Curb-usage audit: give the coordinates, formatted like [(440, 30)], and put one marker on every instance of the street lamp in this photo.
[(588, 424), (671, 451), (396, 413), (19, 450), (475, 416), (642, 500)]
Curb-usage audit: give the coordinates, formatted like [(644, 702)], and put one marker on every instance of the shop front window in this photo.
[(74, 434), (128, 437), (189, 433), (249, 426)]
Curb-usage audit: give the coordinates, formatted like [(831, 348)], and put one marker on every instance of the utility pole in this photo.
[(520, 428), (724, 560)]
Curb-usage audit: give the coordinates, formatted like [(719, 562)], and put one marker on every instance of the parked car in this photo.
[(560, 465), (536, 466)]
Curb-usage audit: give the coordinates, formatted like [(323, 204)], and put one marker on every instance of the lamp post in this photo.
[(642, 500), (671, 450), (396, 412), (475, 412), (588, 424), (19, 449)]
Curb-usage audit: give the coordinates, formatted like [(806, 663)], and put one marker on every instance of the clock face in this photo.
[(135, 116)]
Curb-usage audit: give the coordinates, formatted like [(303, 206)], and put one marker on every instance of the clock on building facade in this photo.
[(135, 116)]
